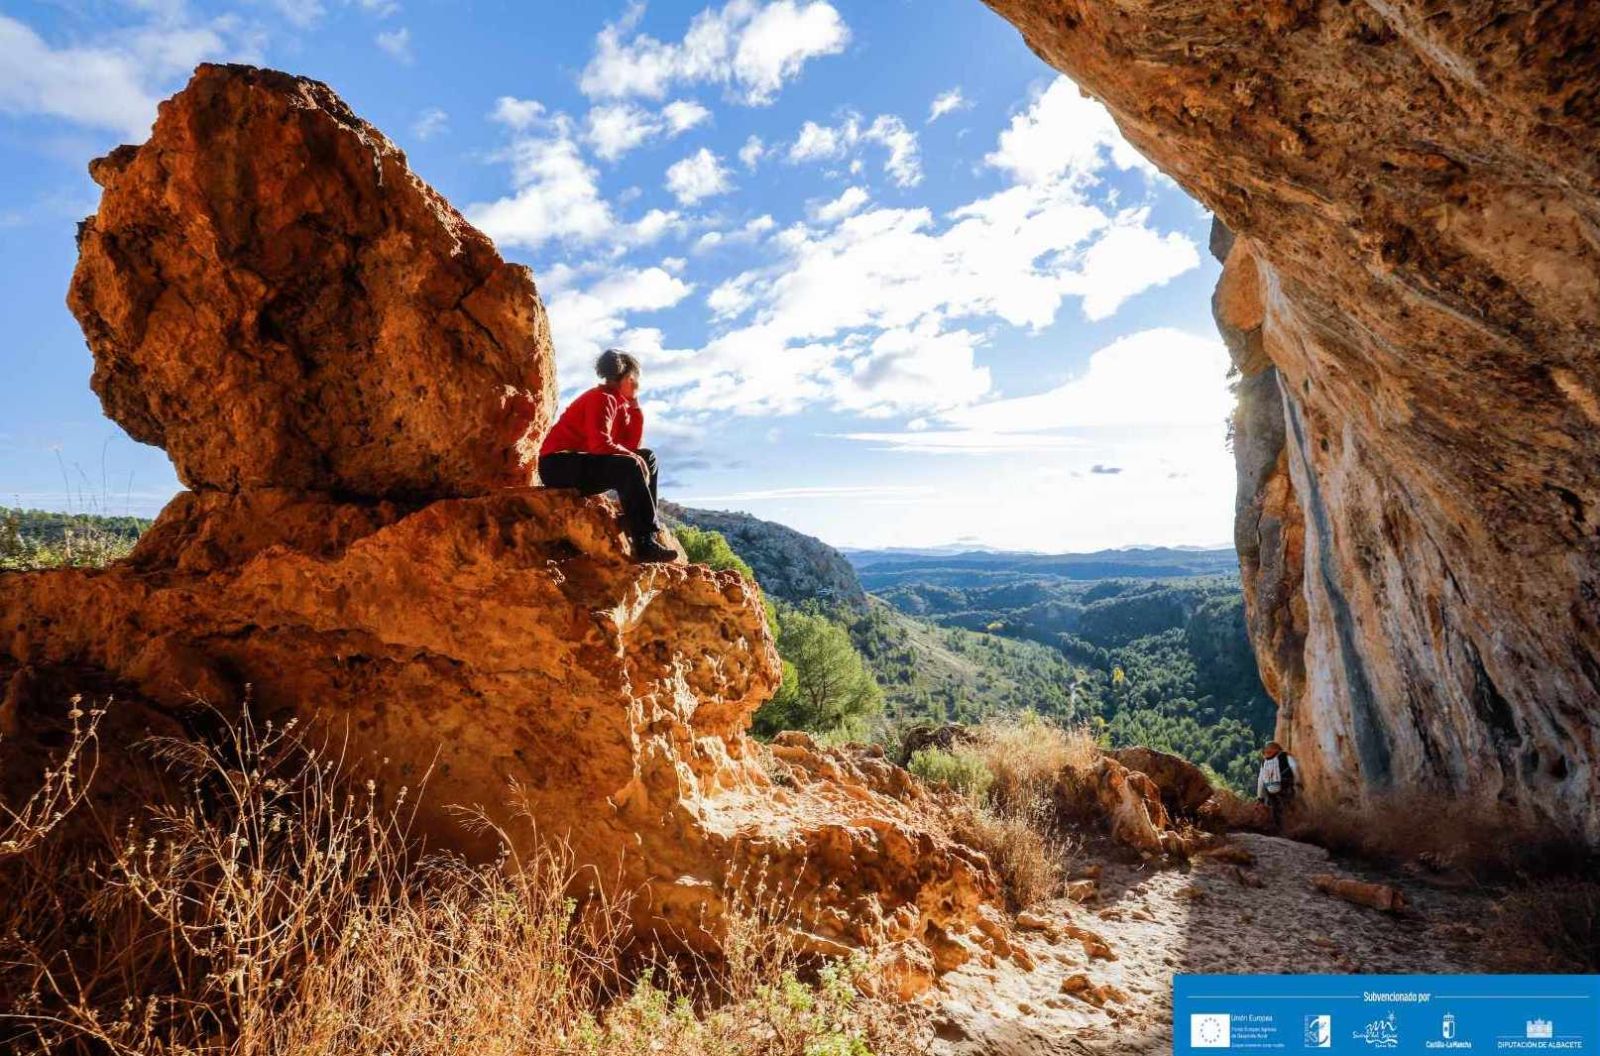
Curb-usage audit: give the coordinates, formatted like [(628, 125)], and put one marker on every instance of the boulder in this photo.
[(1409, 193), (1184, 786), (273, 297), (1131, 805)]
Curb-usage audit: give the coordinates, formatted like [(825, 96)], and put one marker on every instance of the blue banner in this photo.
[(1388, 1015)]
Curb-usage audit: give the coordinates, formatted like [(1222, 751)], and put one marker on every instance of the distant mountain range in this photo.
[(886, 568)]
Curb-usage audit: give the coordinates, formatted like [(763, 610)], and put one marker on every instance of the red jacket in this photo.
[(599, 422)]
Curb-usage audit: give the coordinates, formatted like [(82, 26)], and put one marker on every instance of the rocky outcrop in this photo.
[(273, 297), (1413, 297), (350, 378), (1183, 786)]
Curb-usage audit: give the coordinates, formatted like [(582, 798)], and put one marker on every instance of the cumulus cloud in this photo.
[(882, 311), (751, 48), (902, 161), (556, 193), (752, 151), (946, 103), (589, 311), (683, 114), (430, 122), (397, 43), (1119, 389), (851, 200), (616, 128), (113, 85), (698, 176), (1063, 135)]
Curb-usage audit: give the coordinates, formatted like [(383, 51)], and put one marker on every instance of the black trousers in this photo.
[(1279, 805), (593, 474)]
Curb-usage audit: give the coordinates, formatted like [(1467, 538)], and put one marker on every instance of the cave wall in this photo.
[(1412, 294)]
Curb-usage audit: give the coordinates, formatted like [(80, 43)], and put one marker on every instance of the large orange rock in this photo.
[(346, 370), (1413, 298), (276, 299), (505, 647)]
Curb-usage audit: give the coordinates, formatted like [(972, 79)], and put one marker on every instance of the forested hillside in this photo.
[(789, 565), (1158, 661)]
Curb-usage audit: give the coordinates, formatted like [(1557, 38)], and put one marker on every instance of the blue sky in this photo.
[(894, 282)]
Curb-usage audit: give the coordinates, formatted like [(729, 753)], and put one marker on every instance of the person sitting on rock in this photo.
[(1277, 782), (594, 447)]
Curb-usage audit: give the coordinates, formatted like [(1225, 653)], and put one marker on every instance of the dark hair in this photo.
[(614, 365)]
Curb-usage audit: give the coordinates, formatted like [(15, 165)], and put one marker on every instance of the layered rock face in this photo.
[(1413, 299), (346, 373)]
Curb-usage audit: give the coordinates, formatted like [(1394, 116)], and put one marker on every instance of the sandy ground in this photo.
[(1210, 917)]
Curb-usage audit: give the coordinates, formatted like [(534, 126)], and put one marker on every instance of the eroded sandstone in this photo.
[(1413, 298)]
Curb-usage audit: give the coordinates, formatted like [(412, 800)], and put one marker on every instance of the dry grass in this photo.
[(1009, 770), (271, 908), (61, 788)]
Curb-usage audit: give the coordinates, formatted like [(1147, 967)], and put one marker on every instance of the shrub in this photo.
[(961, 769), (74, 541)]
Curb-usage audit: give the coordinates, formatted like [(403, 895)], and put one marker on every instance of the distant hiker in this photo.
[(1277, 782), (594, 447)]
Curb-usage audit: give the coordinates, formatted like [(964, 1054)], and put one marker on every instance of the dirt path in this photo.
[(1159, 922)]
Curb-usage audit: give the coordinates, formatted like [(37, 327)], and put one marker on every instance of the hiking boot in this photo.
[(647, 549)]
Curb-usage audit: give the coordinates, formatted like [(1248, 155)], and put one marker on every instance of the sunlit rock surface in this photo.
[(1413, 298)]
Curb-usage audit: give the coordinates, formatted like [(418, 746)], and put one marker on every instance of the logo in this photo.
[(1541, 1028), (1380, 1033), (1319, 1032), (1209, 1030), (1447, 1027)]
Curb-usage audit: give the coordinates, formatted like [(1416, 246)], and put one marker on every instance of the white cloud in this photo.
[(1063, 135), (946, 103), (823, 491), (306, 13), (114, 85), (963, 442), (397, 42), (851, 200), (430, 122), (903, 162), (882, 311), (616, 128), (683, 114), (518, 114), (816, 141), (752, 151), (1128, 259), (750, 47), (698, 176), (556, 193), (301, 13), (587, 318)]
